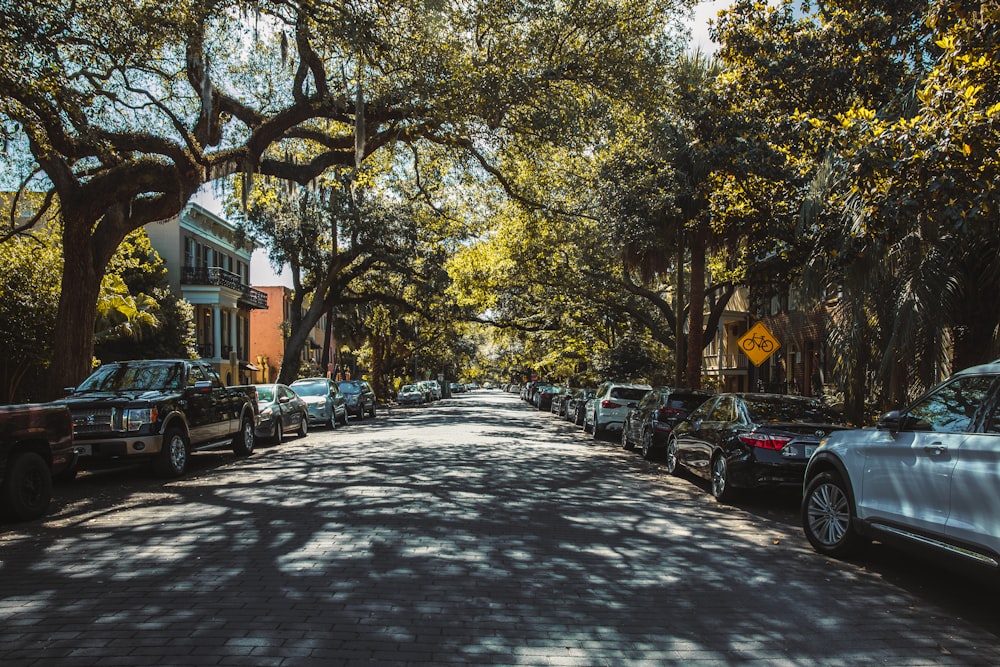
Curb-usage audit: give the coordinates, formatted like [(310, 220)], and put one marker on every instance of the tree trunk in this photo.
[(679, 338), (73, 339), (696, 316)]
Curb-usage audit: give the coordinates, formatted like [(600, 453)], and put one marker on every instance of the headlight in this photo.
[(136, 417), (266, 413)]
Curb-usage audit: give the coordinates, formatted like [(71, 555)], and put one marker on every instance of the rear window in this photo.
[(791, 411), (629, 393), (685, 403)]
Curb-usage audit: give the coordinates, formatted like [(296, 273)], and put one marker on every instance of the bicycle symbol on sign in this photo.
[(761, 342)]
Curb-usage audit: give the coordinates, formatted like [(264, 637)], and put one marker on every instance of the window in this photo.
[(951, 408), (724, 411)]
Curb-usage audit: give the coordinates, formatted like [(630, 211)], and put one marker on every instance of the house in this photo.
[(208, 265), (269, 330), (800, 364)]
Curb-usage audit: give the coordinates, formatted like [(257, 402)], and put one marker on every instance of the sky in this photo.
[(263, 275)]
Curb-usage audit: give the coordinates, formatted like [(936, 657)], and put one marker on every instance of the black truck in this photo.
[(36, 442), (159, 410)]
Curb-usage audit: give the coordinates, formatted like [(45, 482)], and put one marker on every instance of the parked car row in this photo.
[(924, 477)]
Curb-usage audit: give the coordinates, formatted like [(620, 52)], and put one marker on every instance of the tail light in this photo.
[(665, 414), (762, 441), (610, 405)]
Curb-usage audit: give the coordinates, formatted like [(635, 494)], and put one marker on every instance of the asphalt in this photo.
[(473, 531)]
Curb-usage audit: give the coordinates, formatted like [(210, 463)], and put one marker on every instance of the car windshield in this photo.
[(350, 387), (132, 377), (311, 388), (790, 411), (265, 393), (408, 388)]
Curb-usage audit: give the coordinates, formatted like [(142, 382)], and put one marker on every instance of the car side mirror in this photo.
[(890, 421)]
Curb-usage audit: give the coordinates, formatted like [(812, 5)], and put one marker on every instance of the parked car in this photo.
[(159, 411), (359, 396), (575, 403), (410, 394), (925, 477), (750, 440), (36, 445), (612, 402), (558, 406), (650, 423), (326, 403), (281, 411), (544, 395)]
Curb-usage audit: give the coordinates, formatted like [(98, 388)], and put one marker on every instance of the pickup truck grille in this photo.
[(104, 420)]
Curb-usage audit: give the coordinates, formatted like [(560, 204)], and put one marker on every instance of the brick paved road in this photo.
[(474, 531)]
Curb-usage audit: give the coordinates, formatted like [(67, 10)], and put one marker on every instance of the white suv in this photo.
[(611, 404), (926, 476)]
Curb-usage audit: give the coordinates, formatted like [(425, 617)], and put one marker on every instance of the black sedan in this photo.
[(750, 440), (651, 422), (575, 402)]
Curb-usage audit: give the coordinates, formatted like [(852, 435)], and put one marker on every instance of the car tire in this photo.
[(343, 420), (304, 425), (279, 433), (596, 429), (174, 453), (625, 441), (578, 418), (372, 411), (829, 517), (243, 442), (361, 412), (720, 482), (27, 487), (648, 452), (671, 456)]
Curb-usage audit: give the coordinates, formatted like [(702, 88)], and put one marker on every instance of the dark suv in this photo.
[(360, 398), (651, 421)]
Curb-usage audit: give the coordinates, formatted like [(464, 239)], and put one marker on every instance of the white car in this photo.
[(611, 404), (926, 476)]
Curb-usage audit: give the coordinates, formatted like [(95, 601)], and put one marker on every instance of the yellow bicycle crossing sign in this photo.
[(758, 344)]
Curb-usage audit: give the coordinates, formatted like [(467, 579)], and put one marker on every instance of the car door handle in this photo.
[(935, 449)]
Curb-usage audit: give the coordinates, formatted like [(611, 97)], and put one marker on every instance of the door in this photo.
[(975, 503), (691, 443), (908, 475), (201, 408)]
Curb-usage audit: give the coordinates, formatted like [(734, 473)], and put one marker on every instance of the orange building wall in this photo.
[(266, 339)]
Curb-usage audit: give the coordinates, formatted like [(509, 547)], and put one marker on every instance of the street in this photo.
[(471, 531)]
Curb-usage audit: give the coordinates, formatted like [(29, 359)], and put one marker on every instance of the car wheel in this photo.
[(671, 464), (578, 418), (27, 487), (244, 441), (828, 516), (361, 412), (647, 444), (625, 441), (173, 457), (304, 425), (372, 411), (279, 433), (596, 429), (343, 420), (721, 488)]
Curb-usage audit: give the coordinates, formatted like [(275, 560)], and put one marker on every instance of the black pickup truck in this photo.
[(160, 410), (36, 442)]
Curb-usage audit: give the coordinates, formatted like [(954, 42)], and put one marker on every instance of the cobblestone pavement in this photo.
[(472, 531)]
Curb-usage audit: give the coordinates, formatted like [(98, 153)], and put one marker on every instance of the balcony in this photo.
[(200, 275)]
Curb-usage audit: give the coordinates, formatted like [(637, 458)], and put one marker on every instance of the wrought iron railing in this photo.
[(214, 275)]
